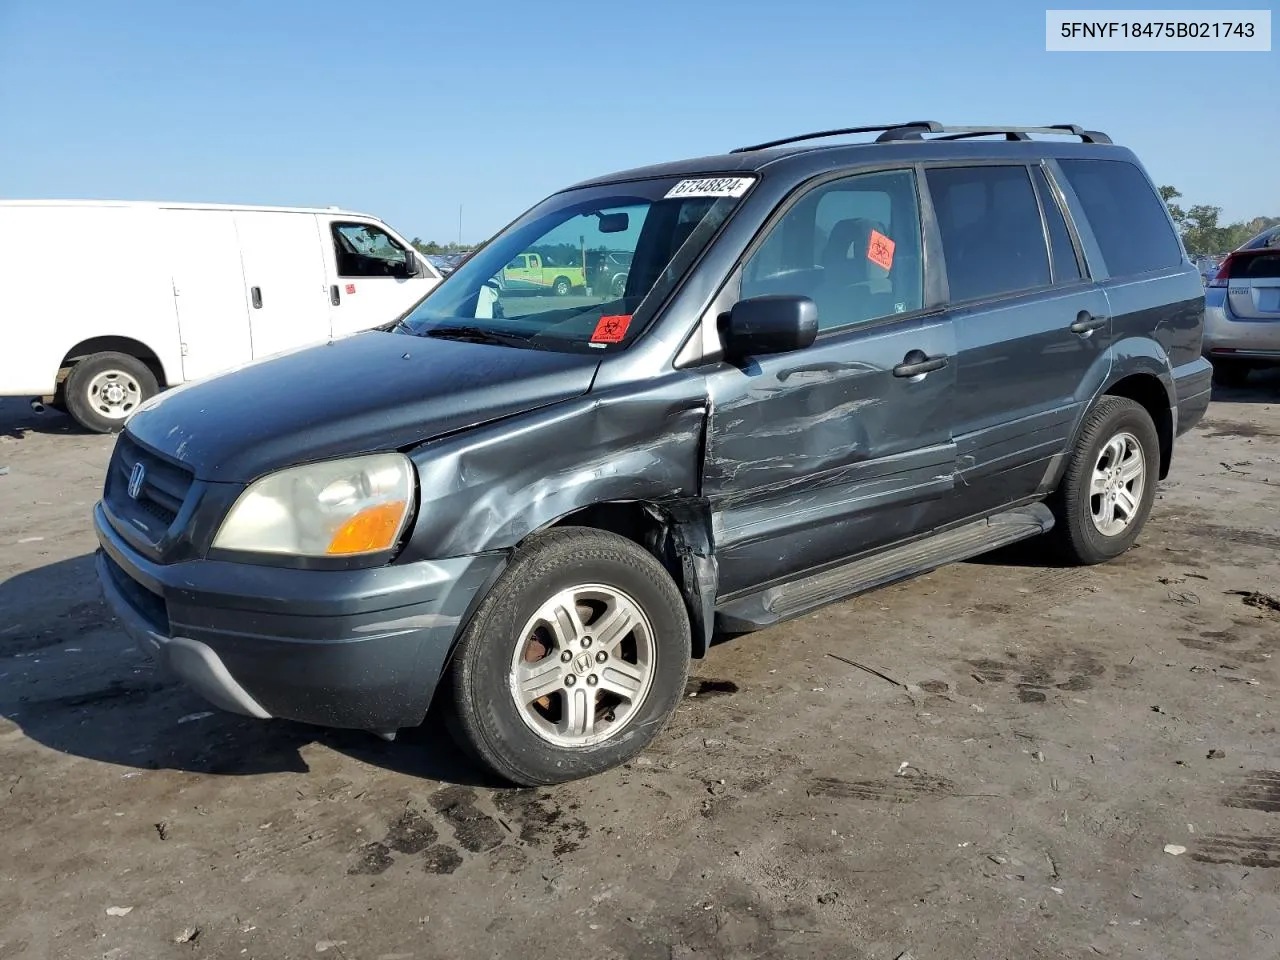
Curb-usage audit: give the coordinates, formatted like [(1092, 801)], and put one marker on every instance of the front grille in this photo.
[(164, 488), (152, 607)]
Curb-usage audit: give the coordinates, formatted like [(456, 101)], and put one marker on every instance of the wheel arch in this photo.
[(677, 535), (1149, 391), (115, 344)]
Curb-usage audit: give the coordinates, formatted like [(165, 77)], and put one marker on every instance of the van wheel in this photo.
[(573, 662), (1230, 373), (1106, 493), (103, 389), (562, 286)]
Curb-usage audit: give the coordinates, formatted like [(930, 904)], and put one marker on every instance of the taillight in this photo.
[(1224, 272)]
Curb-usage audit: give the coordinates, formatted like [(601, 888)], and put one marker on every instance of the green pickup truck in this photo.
[(530, 272)]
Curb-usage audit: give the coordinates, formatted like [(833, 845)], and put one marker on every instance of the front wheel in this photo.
[(102, 390), (562, 286), (1107, 490), (573, 662)]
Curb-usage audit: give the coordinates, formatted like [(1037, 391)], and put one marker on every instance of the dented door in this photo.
[(825, 453)]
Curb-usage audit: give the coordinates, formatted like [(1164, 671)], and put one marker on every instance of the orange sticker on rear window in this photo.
[(880, 250), (611, 329)]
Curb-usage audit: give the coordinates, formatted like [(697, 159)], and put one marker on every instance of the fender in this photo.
[(486, 489), (1123, 359)]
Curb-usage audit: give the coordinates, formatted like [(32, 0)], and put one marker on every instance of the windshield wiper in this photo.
[(472, 334)]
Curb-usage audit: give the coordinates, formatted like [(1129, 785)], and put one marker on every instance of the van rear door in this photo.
[(283, 279), (208, 288)]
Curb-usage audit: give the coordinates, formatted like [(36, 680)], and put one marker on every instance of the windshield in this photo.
[(585, 269)]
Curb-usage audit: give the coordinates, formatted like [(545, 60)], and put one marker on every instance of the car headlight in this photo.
[(339, 508)]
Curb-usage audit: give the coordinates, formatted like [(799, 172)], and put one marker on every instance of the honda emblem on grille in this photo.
[(136, 479)]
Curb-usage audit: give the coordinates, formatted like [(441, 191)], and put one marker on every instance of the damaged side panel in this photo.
[(821, 454)]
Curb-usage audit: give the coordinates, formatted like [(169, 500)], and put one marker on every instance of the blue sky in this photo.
[(407, 110)]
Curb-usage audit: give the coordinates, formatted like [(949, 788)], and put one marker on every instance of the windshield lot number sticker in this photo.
[(611, 329), (880, 250), (710, 187)]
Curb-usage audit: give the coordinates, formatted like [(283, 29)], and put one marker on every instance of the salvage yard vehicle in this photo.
[(529, 271), (1242, 310), (163, 293), (832, 367)]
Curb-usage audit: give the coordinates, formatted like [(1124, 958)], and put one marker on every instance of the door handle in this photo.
[(1086, 323), (255, 294), (917, 363), (334, 297)]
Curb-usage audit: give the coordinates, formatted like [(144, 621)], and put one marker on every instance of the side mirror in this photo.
[(770, 324), (412, 268)]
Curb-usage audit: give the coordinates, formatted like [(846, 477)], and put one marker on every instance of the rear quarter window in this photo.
[(1127, 216)]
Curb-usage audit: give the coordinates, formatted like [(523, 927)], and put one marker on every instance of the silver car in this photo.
[(1242, 310)]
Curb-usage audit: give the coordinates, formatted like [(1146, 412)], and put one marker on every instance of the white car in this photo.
[(106, 303)]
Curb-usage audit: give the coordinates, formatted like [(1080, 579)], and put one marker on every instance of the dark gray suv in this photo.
[(831, 366)]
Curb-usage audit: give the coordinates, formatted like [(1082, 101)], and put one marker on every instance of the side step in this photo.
[(788, 600)]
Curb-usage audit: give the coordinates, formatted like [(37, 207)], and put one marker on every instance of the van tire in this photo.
[(498, 727), (103, 389), (1115, 423), (562, 286)]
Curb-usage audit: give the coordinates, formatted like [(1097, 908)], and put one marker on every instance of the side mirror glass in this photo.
[(770, 324)]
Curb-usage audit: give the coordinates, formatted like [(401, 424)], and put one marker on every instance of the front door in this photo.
[(828, 452), (1032, 329), (209, 290), (284, 280), (369, 284)]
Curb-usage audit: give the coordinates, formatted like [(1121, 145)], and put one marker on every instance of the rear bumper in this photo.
[(1226, 336), (362, 649), (1192, 388)]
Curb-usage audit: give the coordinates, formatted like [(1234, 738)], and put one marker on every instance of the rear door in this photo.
[(208, 288), (1031, 328), (283, 279), (828, 452), (1253, 285), (368, 278)]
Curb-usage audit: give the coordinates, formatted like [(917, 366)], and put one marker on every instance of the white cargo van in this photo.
[(105, 303)]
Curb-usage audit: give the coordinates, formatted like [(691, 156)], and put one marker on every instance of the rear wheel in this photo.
[(1231, 373), (1106, 492), (562, 286), (574, 660), (102, 390)]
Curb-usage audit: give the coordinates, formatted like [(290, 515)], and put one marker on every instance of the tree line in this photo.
[(433, 249), (1202, 233)]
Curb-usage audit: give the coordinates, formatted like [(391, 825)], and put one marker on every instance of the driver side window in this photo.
[(851, 245), (363, 250)]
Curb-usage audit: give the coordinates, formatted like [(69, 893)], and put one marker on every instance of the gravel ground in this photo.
[(1011, 793)]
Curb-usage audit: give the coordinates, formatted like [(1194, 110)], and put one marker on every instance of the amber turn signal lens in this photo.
[(372, 529)]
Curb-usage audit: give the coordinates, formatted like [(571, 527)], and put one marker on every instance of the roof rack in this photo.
[(916, 129), (930, 125)]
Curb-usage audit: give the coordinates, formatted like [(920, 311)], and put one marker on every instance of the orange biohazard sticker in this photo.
[(880, 250), (611, 329)]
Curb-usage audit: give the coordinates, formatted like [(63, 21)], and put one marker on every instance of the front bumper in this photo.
[(361, 649)]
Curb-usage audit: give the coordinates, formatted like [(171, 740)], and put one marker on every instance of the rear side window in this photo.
[(1065, 266), (992, 236), (1127, 216)]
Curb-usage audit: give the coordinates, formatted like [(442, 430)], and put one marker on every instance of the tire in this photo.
[(103, 389), (1118, 431), (1230, 373), (618, 285), (562, 286), (510, 632)]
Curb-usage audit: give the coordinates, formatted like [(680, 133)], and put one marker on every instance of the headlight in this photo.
[(336, 509)]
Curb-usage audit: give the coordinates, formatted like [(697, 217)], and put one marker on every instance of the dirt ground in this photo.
[(1010, 795)]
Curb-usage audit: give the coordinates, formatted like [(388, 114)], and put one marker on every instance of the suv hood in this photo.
[(371, 392)]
